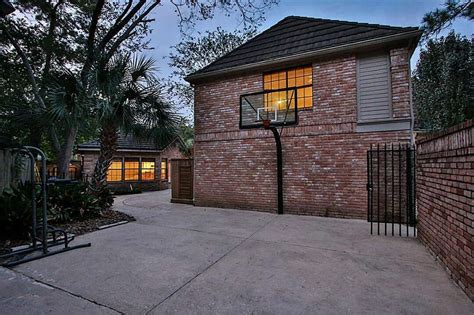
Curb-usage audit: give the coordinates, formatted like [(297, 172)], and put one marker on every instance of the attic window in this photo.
[(301, 78)]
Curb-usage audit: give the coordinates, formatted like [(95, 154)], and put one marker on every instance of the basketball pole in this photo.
[(267, 125), (276, 135)]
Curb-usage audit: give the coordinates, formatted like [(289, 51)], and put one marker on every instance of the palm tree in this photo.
[(128, 99)]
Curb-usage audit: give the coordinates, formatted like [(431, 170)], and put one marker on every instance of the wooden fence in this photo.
[(13, 168), (182, 181)]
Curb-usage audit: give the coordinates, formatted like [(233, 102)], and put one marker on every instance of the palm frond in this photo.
[(142, 68), (130, 97), (68, 100)]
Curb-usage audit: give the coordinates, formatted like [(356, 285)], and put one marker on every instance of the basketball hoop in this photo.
[(266, 123), (258, 110)]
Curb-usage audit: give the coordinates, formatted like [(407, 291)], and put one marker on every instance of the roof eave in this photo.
[(96, 149), (415, 34)]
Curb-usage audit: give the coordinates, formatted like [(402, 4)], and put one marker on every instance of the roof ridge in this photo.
[(297, 25), (350, 22)]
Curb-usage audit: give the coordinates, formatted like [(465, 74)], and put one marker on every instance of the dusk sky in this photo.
[(391, 12)]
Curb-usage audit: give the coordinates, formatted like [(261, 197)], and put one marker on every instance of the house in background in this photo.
[(138, 164), (353, 90)]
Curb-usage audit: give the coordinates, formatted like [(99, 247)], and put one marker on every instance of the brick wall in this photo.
[(400, 77), (445, 185), (324, 157)]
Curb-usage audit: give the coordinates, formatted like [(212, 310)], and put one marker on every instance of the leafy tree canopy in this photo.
[(443, 82), (194, 53), (44, 39), (54, 36), (439, 19), (186, 135)]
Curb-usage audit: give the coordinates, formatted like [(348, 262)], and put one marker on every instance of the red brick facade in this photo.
[(400, 69), (324, 157), (445, 185)]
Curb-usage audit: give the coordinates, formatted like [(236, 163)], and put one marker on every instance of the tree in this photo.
[(186, 138), (125, 98), (194, 53), (75, 35), (439, 19), (64, 34), (250, 12), (443, 83), (130, 101)]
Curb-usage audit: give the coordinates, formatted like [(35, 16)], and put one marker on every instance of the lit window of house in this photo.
[(131, 169), (300, 78), (148, 169), (114, 173), (164, 169)]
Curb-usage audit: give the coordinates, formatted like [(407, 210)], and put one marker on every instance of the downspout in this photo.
[(194, 145), (412, 123)]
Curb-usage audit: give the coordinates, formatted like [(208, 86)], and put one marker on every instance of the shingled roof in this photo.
[(295, 35), (124, 142)]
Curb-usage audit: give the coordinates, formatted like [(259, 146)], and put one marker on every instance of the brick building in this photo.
[(138, 164), (353, 90)]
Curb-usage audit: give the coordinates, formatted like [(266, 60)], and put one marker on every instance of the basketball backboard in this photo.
[(279, 107)]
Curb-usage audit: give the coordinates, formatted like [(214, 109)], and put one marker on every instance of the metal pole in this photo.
[(385, 186), (33, 197), (408, 195), (399, 189), (276, 135), (371, 197), (368, 186), (414, 192), (378, 189), (44, 193), (393, 192), (45, 209)]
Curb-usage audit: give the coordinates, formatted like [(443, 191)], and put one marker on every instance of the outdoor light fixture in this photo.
[(5, 8)]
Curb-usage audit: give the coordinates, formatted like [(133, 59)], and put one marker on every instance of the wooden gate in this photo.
[(182, 179)]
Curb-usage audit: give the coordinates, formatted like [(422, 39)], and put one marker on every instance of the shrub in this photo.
[(16, 212), (106, 198), (68, 202)]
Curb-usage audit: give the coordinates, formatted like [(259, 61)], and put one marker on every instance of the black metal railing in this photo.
[(391, 186)]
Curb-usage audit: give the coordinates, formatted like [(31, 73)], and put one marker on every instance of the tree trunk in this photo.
[(35, 137), (108, 147), (65, 154)]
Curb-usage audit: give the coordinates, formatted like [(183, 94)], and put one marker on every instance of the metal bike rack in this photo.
[(40, 234)]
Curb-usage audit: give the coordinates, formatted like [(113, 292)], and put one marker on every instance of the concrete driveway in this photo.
[(184, 259)]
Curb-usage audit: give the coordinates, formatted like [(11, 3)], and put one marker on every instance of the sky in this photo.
[(391, 12)]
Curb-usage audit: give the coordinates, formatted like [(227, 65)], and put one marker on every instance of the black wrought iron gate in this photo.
[(391, 185)]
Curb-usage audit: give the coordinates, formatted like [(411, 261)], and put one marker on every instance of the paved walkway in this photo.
[(184, 259)]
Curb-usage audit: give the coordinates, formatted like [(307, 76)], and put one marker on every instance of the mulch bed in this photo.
[(77, 227), (91, 225)]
